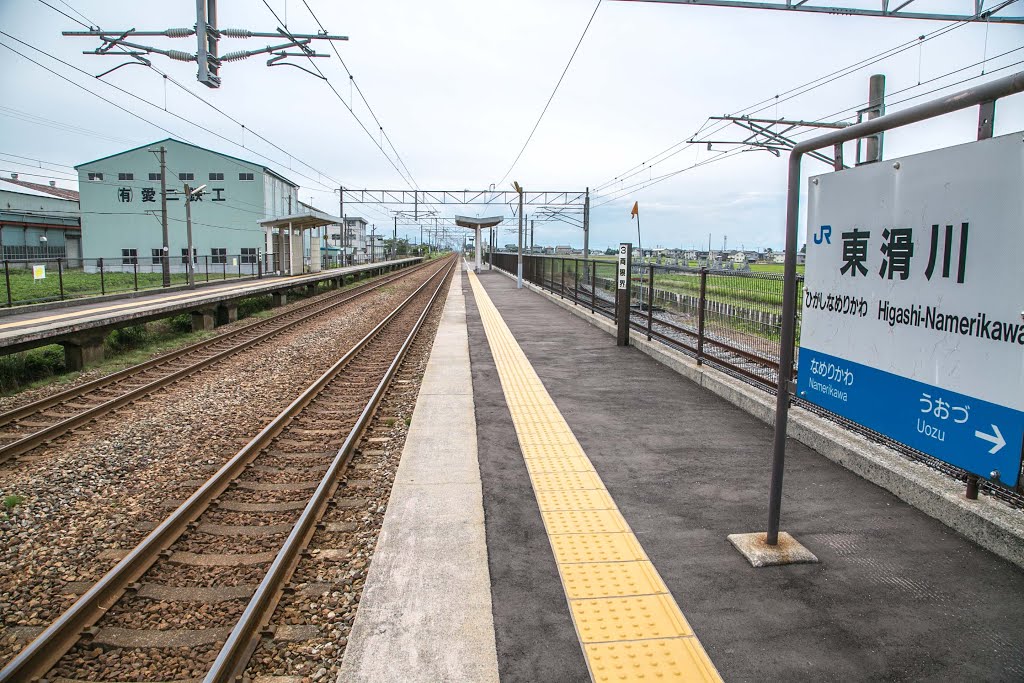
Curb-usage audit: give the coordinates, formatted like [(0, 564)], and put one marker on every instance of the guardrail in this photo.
[(41, 280), (728, 319)]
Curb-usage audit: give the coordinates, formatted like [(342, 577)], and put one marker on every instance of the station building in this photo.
[(120, 203), (38, 221)]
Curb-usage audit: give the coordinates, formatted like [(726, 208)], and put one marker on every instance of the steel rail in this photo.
[(48, 401), (241, 643), (40, 655), (57, 429)]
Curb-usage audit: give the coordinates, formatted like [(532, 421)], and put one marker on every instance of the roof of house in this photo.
[(39, 189), (189, 144)]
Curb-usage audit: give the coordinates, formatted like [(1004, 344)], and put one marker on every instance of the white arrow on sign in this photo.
[(996, 440)]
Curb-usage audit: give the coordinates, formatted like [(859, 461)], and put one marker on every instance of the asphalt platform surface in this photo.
[(897, 596)]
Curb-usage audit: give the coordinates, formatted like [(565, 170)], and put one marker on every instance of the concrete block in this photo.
[(278, 299), (204, 319), (760, 554), (82, 352)]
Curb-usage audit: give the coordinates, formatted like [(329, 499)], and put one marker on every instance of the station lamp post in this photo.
[(519, 261), (190, 195)]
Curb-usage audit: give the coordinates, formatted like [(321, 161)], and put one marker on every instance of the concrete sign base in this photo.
[(760, 554)]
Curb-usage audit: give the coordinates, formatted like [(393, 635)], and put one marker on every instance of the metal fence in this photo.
[(728, 319)]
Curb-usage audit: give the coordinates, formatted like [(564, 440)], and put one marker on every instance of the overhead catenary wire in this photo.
[(783, 96), (553, 92)]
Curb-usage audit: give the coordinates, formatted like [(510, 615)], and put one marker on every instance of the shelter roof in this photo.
[(41, 190)]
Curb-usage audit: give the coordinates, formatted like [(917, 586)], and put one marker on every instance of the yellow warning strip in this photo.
[(629, 625), (141, 305)]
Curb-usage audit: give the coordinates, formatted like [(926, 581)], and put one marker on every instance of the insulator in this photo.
[(179, 32), (181, 56), (234, 56), (236, 32)]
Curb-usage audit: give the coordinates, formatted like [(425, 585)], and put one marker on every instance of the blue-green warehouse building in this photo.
[(120, 207)]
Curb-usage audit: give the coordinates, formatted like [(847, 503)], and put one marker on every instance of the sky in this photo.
[(458, 85)]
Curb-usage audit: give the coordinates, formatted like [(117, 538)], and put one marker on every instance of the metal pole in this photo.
[(639, 244), (60, 278), (519, 261), (103, 284), (188, 238), (394, 241), (650, 302), (163, 213), (986, 92), (876, 108), (532, 248), (7, 279), (593, 287), (344, 227), (701, 304), (624, 268), (586, 231)]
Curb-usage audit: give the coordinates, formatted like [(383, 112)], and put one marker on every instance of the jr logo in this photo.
[(824, 234)]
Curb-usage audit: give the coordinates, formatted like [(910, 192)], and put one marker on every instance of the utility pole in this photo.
[(166, 262), (373, 241), (188, 238), (876, 108), (394, 241), (344, 226), (532, 247), (519, 261), (586, 233)]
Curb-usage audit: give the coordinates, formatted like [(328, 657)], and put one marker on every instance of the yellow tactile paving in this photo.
[(586, 499), (664, 661), (635, 617), (131, 304), (616, 579), (629, 625), (576, 548)]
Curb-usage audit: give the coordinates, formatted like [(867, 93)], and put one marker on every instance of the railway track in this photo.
[(34, 424), (217, 566)]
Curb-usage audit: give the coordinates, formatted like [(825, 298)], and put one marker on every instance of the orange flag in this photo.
[(636, 209)]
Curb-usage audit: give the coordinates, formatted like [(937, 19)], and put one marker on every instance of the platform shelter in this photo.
[(286, 240)]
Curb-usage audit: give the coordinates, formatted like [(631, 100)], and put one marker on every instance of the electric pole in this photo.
[(188, 237), (166, 261)]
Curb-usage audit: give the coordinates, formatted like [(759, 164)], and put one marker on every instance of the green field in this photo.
[(24, 289)]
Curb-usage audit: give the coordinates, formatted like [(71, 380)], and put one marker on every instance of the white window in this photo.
[(97, 177), (154, 176), (126, 176), (248, 254), (186, 176), (246, 176), (129, 256), (218, 255), (216, 176)]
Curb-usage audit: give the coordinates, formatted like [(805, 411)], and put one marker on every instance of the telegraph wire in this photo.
[(552, 97), (352, 79), (362, 125), (787, 95)]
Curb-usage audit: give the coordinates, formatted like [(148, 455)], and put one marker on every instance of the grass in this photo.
[(123, 348), (13, 501), (77, 283)]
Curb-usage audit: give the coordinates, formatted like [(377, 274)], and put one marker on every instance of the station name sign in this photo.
[(913, 302), (623, 266)]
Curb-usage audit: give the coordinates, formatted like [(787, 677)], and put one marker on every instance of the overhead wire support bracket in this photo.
[(208, 37), (764, 136)]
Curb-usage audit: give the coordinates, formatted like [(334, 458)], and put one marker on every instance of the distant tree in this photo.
[(609, 252), (803, 249)]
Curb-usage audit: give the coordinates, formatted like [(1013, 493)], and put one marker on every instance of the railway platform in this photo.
[(81, 326), (562, 509)]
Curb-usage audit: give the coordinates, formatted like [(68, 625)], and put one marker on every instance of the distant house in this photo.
[(563, 249), (39, 221)]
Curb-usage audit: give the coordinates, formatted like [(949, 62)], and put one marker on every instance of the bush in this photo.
[(127, 337), (247, 307), (19, 369), (180, 323)]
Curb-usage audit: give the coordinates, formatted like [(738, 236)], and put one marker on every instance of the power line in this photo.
[(784, 96), (330, 85), (352, 80), (552, 97)]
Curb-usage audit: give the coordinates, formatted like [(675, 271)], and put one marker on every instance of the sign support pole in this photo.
[(624, 269)]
